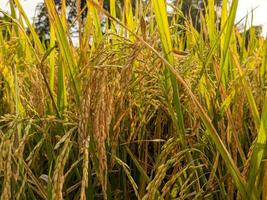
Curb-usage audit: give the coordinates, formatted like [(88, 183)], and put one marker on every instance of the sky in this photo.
[(28, 5), (245, 6), (259, 15)]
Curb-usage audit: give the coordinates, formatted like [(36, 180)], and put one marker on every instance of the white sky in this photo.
[(28, 5), (259, 15)]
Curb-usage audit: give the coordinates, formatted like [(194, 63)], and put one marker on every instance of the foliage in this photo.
[(41, 20), (141, 110)]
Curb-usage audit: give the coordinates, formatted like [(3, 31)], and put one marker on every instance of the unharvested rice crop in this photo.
[(151, 107)]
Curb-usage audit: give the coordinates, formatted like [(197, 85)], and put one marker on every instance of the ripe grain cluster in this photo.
[(150, 106)]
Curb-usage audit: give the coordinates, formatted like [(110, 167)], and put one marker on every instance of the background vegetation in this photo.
[(153, 106)]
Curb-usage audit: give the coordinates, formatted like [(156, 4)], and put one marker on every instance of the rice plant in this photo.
[(149, 107)]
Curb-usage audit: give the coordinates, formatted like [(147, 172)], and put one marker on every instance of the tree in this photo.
[(193, 9), (190, 8), (41, 20)]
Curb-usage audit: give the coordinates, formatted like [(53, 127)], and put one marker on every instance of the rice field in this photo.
[(151, 107)]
